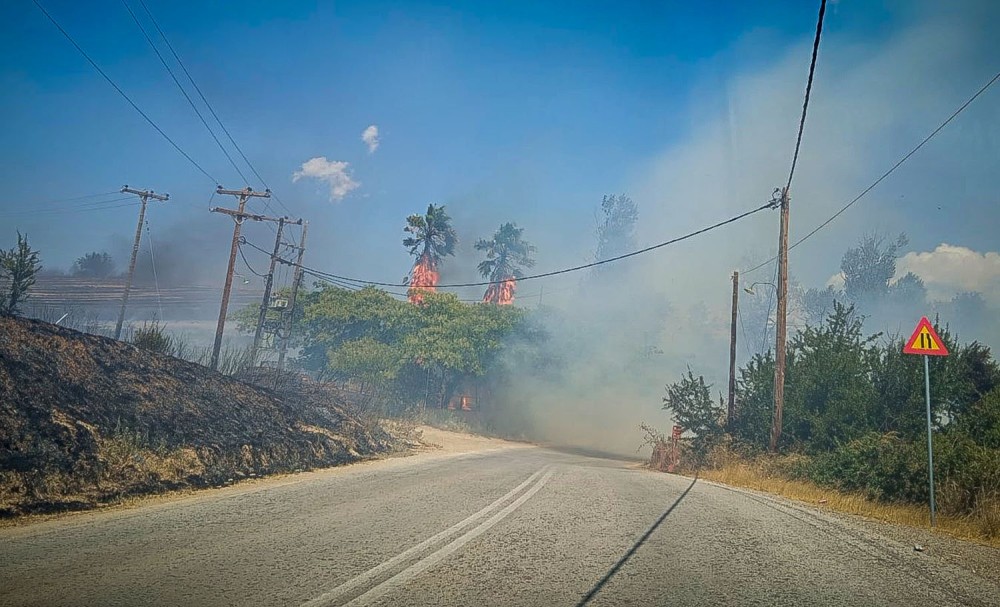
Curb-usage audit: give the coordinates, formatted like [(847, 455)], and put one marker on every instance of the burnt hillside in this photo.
[(86, 419)]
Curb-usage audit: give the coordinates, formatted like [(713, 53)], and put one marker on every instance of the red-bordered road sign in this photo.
[(925, 340)]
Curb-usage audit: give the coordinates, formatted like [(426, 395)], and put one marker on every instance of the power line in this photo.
[(767, 315), (767, 205), (122, 93), (809, 83), (888, 172), (247, 263), (211, 109), (355, 288), (96, 206), (152, 262), (75, 198), (743, 329), (163, 61)]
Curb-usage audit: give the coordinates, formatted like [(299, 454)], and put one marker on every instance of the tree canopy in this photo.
[(412, 354), (506, 254), (431, 235), (94, 265), (616, 226)]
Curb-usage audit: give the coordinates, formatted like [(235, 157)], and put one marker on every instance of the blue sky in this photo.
[(524, 111)]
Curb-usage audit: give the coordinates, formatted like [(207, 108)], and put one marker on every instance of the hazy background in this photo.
[(529, 113)]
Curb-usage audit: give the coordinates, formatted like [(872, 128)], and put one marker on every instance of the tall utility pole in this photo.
[(731, 416), (296, 282), (239, 216), (780, 320), (143, 195), (266, 300)]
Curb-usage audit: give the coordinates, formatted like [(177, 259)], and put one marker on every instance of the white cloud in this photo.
[(837, 281), (335, 173), (370, 137), (950, 269)]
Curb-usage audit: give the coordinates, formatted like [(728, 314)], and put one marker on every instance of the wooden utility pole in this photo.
[(143, 195), (239, 216), (780, 322), (296, 282), (731, 416), (266, 300)]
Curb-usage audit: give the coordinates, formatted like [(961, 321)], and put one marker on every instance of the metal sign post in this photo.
[(925, 341), (930, 439)]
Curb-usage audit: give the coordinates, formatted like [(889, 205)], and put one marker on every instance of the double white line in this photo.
[(493, 513)]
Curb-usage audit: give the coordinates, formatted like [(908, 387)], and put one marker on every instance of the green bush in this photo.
[(883, 467), (887, 468), (967, 473)]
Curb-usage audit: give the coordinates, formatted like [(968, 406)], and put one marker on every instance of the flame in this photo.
[(501, 293), (425, 277)]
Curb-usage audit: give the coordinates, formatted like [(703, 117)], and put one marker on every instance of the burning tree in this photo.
[(432, 238), (506, 253)]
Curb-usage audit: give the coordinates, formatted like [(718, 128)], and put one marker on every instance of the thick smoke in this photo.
[(624, 334)]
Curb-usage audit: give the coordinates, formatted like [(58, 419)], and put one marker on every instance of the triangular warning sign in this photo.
[(925, 340)]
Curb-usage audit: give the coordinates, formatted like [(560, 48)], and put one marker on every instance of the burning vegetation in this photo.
[(431, 238), (501, 293), (424, 279), (506, 254)]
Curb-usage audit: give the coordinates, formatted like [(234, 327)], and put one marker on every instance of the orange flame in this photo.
[(501, 293), (425, 278)]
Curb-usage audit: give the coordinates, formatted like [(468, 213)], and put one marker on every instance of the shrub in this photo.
[(881, 466), (152, 336)]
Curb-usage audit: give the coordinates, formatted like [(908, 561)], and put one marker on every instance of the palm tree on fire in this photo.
[(506, 254), (431, 239)]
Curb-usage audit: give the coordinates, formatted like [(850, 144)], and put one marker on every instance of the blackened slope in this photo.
[(85, 419)]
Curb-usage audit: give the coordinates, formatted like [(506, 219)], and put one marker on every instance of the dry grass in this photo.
[(983, 526)]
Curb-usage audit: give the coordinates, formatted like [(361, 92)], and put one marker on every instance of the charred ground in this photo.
[(85, 420)]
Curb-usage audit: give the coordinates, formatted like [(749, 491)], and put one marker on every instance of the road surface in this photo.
[(525, 526)]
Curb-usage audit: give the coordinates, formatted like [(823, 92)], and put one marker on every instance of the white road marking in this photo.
[(447, 550), (362, 579)]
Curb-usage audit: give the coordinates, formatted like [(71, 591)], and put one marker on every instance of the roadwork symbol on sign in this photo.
[(925, 340)]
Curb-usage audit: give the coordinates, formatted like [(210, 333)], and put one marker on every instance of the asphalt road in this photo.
[(522, 526)]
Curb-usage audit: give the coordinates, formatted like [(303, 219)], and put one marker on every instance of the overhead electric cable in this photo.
[(152, 262), (768, 205), (211, 109), (743, 329), (770, 302), (885, 174), (122, 93), (97, 206), (73, 198), (194, 107), (247, 263), (809, 83)]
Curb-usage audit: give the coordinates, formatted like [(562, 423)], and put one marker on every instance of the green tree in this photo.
[(506, 254), (869, 267), (695, 411), (817, 304), (616, 227), (828, 390), (94, 265), (409, 353), (432, 237), (18, 268), (755, 401)]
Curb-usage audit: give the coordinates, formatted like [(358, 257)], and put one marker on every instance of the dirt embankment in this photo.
[(86, 420)]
